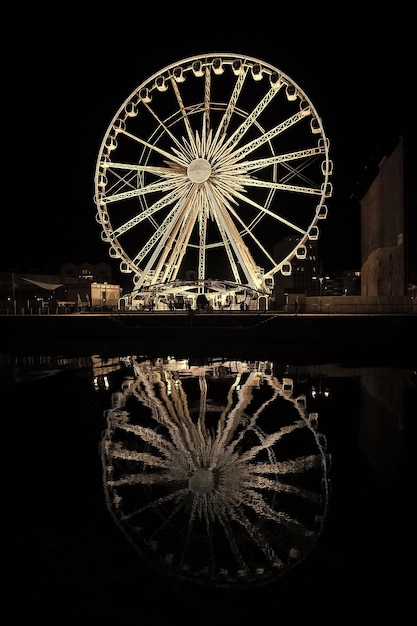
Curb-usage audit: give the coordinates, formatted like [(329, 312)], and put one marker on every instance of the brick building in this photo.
[(389, 225)]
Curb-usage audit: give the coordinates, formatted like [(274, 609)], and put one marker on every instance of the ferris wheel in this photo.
[(211, 178)]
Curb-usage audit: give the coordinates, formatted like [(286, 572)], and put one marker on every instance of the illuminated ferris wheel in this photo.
[(210, 179)]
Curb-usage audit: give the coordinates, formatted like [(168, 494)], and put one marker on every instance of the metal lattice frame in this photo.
[(204, 168)]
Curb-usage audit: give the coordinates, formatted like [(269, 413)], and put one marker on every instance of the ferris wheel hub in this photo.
[(199, 170)]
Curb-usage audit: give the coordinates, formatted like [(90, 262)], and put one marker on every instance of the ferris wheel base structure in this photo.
[(209, 295)]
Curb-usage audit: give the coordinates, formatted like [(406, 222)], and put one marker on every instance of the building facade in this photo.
[(389, 227)]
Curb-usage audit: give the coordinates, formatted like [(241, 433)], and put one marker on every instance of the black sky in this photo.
[(66, 71)]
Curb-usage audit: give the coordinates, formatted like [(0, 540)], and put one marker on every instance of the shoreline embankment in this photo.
[(382, 338)]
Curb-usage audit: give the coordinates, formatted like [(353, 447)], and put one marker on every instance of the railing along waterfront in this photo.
[(315, 309)]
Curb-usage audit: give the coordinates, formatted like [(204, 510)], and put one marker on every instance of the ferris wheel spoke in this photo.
[(144, 191), (233, 241), (152, 210), (206, 114), (225, 121), (262, 209), (266, 184), (297, 172), (168, 155), (204, 210), (178, 243), (248, 230), (164, 172), (185, 118), (280, 159), (169, 223), (161, 125), (201, 265), (172, 235), (233, 157), (247, 124), (227, 199), (225, 237), (204, 143)]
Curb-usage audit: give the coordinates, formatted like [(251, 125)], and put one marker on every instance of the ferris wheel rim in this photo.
[(198, 170)]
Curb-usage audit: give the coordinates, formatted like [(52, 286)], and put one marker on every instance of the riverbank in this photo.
[(264, 334)]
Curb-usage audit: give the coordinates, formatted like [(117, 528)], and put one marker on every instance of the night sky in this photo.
[(67, 70)]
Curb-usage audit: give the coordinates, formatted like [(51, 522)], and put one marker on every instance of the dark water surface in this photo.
[(77, 549)]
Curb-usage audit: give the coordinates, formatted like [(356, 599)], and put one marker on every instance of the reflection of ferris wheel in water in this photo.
[(217, 474), (204, 168)]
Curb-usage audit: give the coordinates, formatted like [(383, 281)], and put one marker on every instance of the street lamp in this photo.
[(319, 392), (321, 289), (320, 279), (14, 295)]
